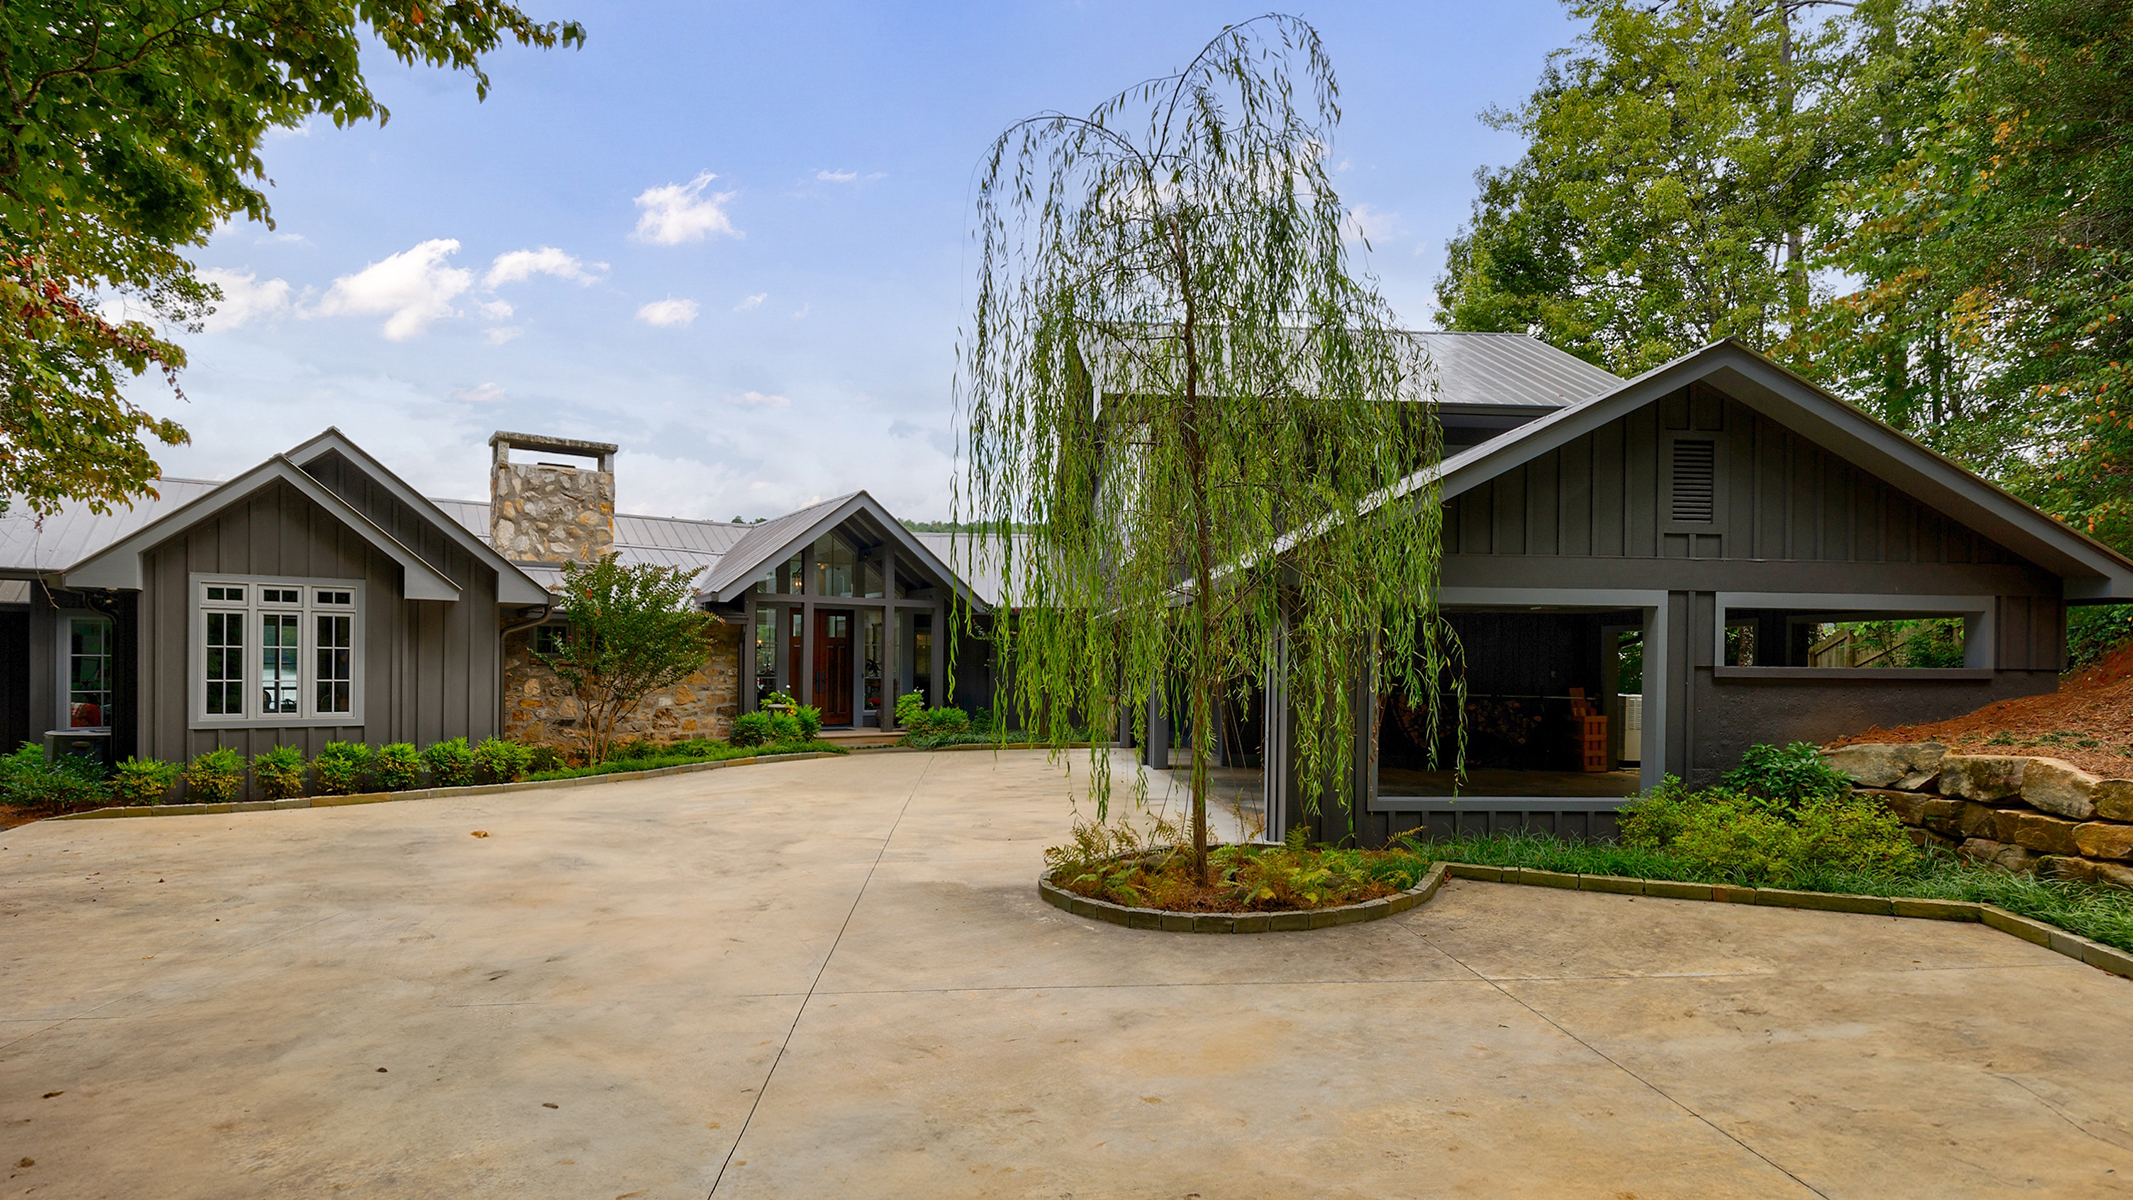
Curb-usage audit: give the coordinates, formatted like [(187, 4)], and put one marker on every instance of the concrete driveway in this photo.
[(834, 978)]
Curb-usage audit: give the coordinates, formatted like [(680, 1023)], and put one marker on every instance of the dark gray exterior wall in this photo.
[(430, 667), (1791, 518)]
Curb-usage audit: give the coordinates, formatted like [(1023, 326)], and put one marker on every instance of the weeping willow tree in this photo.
[(1185, 409)]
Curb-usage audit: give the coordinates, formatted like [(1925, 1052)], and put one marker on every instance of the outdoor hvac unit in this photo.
[(1632, 711)]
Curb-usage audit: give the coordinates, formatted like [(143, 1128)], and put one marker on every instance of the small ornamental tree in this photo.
[(631, 633), (1190, 407)]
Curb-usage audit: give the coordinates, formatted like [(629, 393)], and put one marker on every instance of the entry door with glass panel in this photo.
[(833, 666)]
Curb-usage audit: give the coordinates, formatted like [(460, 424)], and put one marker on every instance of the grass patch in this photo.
[(682, 754), (2104, 914)]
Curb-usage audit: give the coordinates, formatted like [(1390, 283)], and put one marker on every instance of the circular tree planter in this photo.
[(1251, 922)]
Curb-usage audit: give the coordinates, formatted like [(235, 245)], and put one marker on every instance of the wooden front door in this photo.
[(833, 666)]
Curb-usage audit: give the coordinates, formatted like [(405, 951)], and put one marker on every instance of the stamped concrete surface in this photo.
[(835, 978)]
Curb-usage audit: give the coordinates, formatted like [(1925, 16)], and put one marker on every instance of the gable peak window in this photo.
[(276, 652)]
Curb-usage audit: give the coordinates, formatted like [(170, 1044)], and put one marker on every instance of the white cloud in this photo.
[(1365, 223), (495, 310), (836, 176), (245, 298), (487, 393), (515, 265), (802, 311), (411, 288), (668, 312), (501, 334), (758, 400), (755, 301), (680, 212)]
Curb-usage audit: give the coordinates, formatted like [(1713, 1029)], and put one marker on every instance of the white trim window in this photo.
[(85, 661), (276, 651)]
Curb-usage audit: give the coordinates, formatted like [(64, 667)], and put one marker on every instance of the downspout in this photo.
[(541, 612)]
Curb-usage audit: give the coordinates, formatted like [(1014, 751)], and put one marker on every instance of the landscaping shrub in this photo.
[(279, 772), (545, 758), (807, 719), (341, 768), (1787, 777), (784, 727), (142, 781), (632, 750), (451, 763), (398, 767), (1795, 821), (215, 777), (947, 719), (29, 780), (911, 711), (502, 761), (752, 729)]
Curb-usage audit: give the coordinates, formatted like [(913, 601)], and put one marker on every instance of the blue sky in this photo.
[(733, 238)]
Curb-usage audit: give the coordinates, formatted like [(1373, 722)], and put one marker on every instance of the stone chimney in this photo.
[(545, 512)]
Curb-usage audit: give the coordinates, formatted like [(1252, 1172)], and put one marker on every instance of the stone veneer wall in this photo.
[(551, 514), (539, 709), (2019, 812)]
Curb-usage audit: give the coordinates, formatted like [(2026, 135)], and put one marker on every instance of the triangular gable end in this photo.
[(780, 539), (118, 567), (1733, 379), (513, 585)]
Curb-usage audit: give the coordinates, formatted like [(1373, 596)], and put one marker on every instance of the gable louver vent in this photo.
[(1695, 482)]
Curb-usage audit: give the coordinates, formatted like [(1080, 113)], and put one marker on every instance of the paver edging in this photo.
[(1244, 922), (2029, 929), (2051, 937), (435, 793), (965, 746)]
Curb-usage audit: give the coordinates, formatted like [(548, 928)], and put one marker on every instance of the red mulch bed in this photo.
[(2087, 722)]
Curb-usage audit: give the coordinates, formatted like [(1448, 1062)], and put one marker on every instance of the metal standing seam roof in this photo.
[(72, 534), (1510, 369)]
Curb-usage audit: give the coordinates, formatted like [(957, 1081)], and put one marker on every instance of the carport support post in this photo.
[(803, 688), (890, 629), (939, 664)]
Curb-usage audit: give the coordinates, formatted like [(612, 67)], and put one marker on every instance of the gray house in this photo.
[(1685, 564), (318, 597), (1646, 576)]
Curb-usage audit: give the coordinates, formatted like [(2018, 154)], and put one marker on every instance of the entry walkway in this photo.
[(835, 978)]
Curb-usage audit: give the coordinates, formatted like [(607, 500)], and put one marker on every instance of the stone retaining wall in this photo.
[(2023, 813)]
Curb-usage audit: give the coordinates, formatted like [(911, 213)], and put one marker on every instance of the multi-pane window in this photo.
[(275, 651), (224, 643), (88, 672)]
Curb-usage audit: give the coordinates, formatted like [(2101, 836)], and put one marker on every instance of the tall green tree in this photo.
[(1673, 161), (1179, 386), (1993, 243), (130, 130)]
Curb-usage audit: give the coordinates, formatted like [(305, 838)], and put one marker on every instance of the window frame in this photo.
[(63, 666), (307, 609), (1981, 647)]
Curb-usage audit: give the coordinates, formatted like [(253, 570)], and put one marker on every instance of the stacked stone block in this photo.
[(539, 709), (2015, 811)]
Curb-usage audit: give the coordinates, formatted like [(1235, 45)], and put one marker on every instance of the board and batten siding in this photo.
[(430, 667), (1791, 517), (1787, 516)]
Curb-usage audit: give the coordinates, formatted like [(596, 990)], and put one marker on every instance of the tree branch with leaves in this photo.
[(128, 132)]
